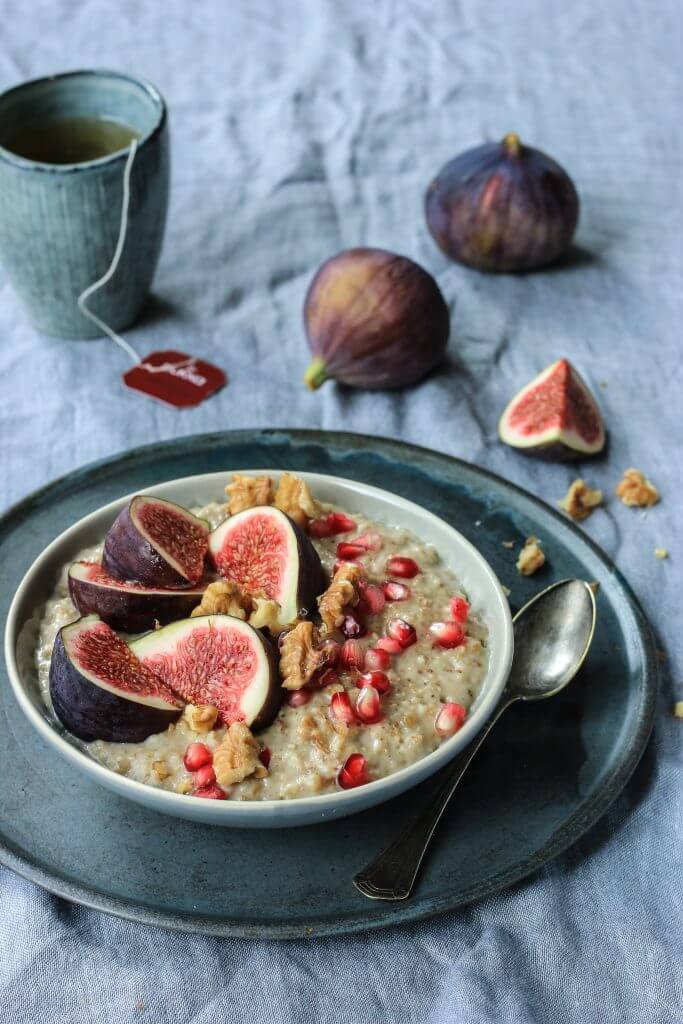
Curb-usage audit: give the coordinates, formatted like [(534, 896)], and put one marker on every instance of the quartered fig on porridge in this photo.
[(216, 660), (130, 607), (99, 689), (268, 555), (297, 648), (156, 543)]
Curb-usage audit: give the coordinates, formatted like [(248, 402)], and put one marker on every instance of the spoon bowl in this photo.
[(553, 634)]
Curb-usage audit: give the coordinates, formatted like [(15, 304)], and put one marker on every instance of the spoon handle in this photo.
[(392, 875)]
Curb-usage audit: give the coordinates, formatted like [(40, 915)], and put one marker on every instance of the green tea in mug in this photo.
[(69, 140)]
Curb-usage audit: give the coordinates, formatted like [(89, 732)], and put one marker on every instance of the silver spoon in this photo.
[(553, 633)]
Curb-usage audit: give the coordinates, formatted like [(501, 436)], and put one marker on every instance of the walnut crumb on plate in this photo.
[(580, 500), (678, 709), (531, 557), (636, 491), (661, 553)]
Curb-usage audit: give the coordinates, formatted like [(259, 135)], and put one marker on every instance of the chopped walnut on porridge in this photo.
[(248, 491), (294, 497), (300, 659), (343, 592), (223, 598), (237, 756)]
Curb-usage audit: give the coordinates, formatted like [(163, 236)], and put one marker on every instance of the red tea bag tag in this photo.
[(175, 378)]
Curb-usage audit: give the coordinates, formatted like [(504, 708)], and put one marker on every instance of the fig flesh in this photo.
[(502, 207), (374, 320), (555, 416), (127, 606), (217, 660), (99, 689), (156, 543), (266, 554)]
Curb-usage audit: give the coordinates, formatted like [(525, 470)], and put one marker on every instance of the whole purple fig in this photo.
[(502, 207), (374, 320)]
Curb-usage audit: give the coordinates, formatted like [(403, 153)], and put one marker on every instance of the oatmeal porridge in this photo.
[(383, 670)]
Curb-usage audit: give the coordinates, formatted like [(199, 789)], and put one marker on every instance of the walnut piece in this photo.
[(531, 558), (294, 497), (299, 658), (580, 500), (635, 491), (160, 769), (237, 756), (223, 598), (248, 491), (184, 786), (200, 717), (342, 591), (678, 709), (661, 553), (266, 615)]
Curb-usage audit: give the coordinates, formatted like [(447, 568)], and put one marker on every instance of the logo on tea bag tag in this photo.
[(175, 378)]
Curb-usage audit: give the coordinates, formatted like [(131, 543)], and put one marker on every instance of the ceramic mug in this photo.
[(59, 223)]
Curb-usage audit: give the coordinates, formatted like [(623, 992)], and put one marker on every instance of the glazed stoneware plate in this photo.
[(543, 779), (480, 583)]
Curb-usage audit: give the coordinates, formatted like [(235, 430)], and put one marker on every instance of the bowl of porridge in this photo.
[(259, 649)]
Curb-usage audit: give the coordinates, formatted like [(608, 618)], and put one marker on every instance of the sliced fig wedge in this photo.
[(127, 606), (264, 552), (156, 543), (99, 689), (555, 416), (218, 660)]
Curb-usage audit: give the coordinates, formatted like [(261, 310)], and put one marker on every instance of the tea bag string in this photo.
[(91, 289)]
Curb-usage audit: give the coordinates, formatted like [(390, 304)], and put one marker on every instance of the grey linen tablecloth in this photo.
[(298, 129)]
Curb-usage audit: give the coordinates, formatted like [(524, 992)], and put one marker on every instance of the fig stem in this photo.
[(512, 144), (316, 374)]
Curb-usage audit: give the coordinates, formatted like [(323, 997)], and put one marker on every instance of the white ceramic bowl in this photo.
[(457, 553)]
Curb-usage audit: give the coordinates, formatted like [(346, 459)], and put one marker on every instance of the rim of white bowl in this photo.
[(493, 685)]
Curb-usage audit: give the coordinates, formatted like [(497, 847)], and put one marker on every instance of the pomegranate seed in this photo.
[(368, 541), (380, 681), (213, 792), (354, 772), (330, 525), (373, 598), (204, 776), (264, 756), (399, 629), (377, 658), (404, 567), (196, 756), (297, 698), (388, 644), (326, 678), (352, 654), (340, 708), (351, 627), (460, 609), (447, 634), (321, 528), (395, 591), (330, 649), (449, 719), (347, 551), (367, 706), (341, 523)]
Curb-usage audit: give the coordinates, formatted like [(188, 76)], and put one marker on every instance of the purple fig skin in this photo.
[(128, 556), (374, 320), (92, 713), (502, 207), (127, 609)]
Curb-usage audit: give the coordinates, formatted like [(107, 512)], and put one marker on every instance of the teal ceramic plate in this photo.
[(544, 778)]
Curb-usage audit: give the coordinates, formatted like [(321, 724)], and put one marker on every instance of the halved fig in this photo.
[(555, 416), (99, 689), (156, 543), (218, 660), (127, 606), (264, 552)]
